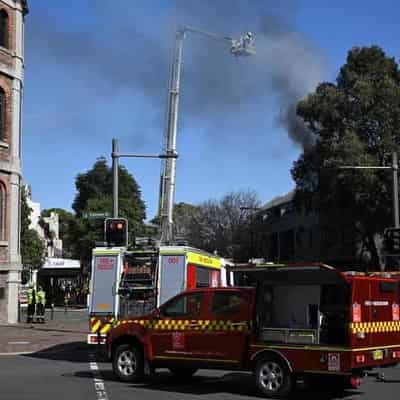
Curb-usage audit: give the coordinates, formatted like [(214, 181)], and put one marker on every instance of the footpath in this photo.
[(62, 330)]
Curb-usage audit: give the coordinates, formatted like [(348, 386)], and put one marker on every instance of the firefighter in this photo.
[(41, 302), (31, 294)]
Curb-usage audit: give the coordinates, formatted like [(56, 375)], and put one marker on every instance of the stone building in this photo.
[(12, 15)]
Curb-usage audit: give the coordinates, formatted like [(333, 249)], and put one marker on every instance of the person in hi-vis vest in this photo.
[(31, 294), (40, 305)]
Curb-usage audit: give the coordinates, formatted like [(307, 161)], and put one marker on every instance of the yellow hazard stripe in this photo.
[(105, 328), (95, 327), (98, 324), (190, 325), (375, 327)]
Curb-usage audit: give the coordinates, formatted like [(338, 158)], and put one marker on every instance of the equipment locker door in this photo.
[(360, 311), (172, 276), (105, 276)]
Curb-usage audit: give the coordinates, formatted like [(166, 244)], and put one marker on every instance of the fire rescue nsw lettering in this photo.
[(356, 312), (178, 341), (395, 312), (105, 263), (333, 362)]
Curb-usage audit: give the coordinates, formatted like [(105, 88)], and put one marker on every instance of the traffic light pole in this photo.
[(395, 167), (115, 166), (115, 156)]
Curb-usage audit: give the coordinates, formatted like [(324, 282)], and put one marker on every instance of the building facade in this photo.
[(48, 228), (286, 234), (12, 15)]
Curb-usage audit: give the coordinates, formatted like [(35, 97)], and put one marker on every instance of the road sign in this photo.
[(96, 215)]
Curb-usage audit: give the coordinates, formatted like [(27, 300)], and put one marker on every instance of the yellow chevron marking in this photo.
[(95, 327)]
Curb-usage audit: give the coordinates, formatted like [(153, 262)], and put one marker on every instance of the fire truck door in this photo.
[(226, 326), (174, 334)]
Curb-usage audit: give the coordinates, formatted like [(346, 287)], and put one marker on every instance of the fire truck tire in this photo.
[(273, 377), (182, 372), (128, 363)]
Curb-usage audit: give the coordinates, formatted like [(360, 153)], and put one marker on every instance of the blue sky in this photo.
[(95, 70)]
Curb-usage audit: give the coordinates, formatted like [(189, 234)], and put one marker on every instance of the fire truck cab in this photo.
[(281, 321)]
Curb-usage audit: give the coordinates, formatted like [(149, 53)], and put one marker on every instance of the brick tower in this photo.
[(12, 14)]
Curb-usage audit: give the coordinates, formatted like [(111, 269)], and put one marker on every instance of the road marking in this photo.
[(19, 342), (99, 387)]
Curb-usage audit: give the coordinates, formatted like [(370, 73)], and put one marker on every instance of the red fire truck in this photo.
[(283, 322)]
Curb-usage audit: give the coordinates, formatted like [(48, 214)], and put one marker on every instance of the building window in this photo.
[(3, 29), (2, 114)]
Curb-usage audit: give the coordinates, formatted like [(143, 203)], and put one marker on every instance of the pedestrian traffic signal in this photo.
[(391, 241), (116, 232)]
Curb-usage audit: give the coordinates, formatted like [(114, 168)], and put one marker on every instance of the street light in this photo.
[(243, 46)]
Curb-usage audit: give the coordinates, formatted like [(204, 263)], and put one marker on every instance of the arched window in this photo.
[(3, 29), (2, 113)]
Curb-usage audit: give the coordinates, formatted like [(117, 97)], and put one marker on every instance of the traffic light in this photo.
[(116, 231), (391, 241)]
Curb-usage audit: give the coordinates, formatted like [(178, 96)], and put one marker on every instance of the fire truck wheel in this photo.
[(128, 363), (273, 377), (181, 372)]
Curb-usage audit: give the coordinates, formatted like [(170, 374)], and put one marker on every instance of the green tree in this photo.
[(94, 194), (32, 246), (354, 122)]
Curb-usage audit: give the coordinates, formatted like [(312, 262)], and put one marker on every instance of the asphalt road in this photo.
[(70, 373)]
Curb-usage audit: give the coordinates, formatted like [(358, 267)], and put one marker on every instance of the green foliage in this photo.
[(95, 190), (32, 246), (355, 122)]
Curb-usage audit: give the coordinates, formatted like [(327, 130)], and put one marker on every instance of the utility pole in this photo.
[(395, 167), (238, 47), (115, 167)]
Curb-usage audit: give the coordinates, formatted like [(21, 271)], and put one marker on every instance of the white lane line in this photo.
[(19, 342), (99, 386)]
